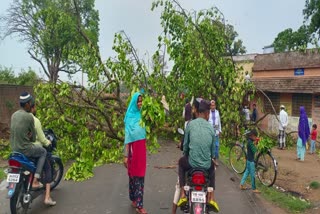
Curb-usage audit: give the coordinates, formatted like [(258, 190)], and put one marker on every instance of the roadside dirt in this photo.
[(295, 176)]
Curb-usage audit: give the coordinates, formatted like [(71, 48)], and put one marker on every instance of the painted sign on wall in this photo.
[(299, 71)]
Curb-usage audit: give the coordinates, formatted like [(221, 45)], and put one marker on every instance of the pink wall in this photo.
[(286, 73)]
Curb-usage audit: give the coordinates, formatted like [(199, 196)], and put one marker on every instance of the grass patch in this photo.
[(314, 185), (284, 200), (2, 174)]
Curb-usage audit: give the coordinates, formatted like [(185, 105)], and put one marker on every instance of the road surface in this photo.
[(107, 191)]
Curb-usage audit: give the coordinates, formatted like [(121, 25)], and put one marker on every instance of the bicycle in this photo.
[(265, 163)]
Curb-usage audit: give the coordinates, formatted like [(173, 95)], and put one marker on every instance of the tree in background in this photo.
[(50, 29), (307, 34), (28, 77), (236, 45), (89, 120), (200, 47)]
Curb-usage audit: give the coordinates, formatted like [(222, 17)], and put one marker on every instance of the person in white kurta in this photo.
[(283, 123), (215, 121)]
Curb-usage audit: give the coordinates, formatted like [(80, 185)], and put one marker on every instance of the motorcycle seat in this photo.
[(194, 170)]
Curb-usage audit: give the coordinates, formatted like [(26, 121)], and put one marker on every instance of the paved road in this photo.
[(107, 191)]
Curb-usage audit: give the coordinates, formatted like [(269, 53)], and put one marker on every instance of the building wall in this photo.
[(9, 101), (316, 109), (270, 122), (242, 67), (287, 73)]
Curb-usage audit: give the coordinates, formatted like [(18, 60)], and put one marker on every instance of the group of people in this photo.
[(248, 116), (27, 137), (200, 148), (200, 145), (304, 133)]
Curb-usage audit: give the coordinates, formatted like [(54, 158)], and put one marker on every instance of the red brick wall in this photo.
[(9, 101)]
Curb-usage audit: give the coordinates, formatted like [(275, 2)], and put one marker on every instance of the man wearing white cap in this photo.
[(23, 133), (283, 123)]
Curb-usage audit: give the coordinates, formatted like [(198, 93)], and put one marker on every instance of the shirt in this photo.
[(217, 123), (251, 150), (40, 138), (22, 131), (199, 143), (283, 117), (247, 113), (187, 112), (314, 134), (254, 115)]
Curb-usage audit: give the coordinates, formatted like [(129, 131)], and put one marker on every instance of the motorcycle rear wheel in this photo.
[(16, 201), (57, 172)]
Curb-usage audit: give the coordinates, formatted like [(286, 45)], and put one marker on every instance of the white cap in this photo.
[(282, 106)]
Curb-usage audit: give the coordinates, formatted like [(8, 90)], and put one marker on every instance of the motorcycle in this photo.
[(196, 191), (20, 176), (196, 188)]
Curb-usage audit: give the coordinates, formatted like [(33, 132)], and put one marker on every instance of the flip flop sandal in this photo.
[(214, 206), (37, 187), (244, 187), (141, 211), (182, 202)]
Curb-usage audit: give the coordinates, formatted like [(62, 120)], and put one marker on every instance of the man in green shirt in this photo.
[(199, 151), (22, 134)]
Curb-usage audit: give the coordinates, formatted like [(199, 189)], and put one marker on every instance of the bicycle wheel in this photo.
[(237, 158), (266, 169)]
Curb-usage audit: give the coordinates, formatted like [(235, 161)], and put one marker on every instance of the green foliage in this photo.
[(308, 34), (289, 40), (28, 77), (265, 143), (52, 32), (196, 42), (152, 118), (2, 174), (314, 185), (235, 45), (7, 75), (5, 149), (312, 16), (89, 120)]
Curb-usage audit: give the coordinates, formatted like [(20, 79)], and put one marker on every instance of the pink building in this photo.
[(291, 79)]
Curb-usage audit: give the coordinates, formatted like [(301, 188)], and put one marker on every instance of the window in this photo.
[(275, 99), (301, 100), (317, 101)]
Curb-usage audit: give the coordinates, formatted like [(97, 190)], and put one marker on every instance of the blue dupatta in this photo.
[(133, 130)]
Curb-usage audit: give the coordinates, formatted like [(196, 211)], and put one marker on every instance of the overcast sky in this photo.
[(257, 22)]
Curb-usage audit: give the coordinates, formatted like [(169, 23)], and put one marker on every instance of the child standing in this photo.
[(313, 137), (250, 169)]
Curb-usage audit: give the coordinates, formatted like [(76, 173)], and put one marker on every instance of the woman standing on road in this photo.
[(135, 152), (304, 133)]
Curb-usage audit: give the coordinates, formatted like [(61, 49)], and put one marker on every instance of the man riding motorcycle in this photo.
[(41, 140), (23, 133), (199, 151)]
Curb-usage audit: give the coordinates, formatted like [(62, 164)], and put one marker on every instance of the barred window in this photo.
[(275, 99), (301, 100), (317, 101)]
